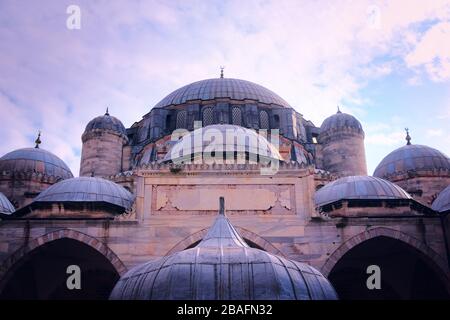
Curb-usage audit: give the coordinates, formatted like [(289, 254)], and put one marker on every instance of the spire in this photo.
[(107, 111), (339, 110), (222, 233), (221, 71), (408, 137), (38, 140)]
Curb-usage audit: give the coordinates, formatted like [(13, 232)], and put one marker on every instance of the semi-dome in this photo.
[(87, 189), (223, 267), (6, 207), (442, 202), (358, 187), (412, 157), (34, 160), (222, 138), (234, 89), (340, 120), (106, 122)]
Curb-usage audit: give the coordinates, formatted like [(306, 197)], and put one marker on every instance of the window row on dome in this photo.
[(210, 115)]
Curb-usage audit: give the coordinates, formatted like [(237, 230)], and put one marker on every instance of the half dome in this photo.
[(223, 267), (221, 138), (442, 202), (412, 157), (234, 89), (87, 189), (6, 206), (34, 160), (358, 187)]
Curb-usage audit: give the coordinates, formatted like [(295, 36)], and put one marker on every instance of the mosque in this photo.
[(224, 191)]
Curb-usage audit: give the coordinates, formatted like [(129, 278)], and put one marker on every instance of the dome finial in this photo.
[(221, 71), (339, 110), (38, 140), (222, 206), (408, 137), (107, 111)]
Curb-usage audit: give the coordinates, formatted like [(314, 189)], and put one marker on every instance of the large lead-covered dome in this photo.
[(34, 160), (87, 189), (412, 157), (234, 89), (223, 267)]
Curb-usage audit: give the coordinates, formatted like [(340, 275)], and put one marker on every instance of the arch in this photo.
[(10, 263), (438, 262), (181, 119), (208, 116), (264, 120), (246, 234), (236, 116)]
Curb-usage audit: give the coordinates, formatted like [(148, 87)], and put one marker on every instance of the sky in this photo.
[(385, 62)]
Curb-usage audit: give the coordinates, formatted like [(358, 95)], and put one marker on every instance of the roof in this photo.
[(87, 189), (222, 267), (106, 122), (234, 89), (412, 157), (340, 120), (442, 202), (5, 206), (222, 138), (34, 160), (359, 187)]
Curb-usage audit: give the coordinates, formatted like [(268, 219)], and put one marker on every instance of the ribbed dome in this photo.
[(340, 120), (223, 267), (442, 202), (234, 89), (106, 122), (5, 206), (34, 160), (412, 157), (358, 187), (222, 138), (87, 189)]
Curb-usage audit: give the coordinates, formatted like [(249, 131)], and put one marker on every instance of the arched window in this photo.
[(276, 121), (263, 120), (181, 119), (168, 122), (236, 116), (208, 116)]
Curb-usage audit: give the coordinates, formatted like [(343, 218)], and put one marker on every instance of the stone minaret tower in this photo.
[(342, 144), (102, 151)]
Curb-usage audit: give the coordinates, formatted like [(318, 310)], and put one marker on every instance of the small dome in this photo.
[(358, 187), (87, 189), (340, 120), (411, 157), (442, 202), (35, 160), (223, 267), (5, 206), (234, 89), (222, 138), (106, 122)]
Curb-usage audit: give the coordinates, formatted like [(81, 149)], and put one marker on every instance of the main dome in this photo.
[(234, 89)]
